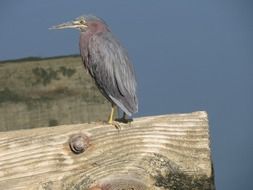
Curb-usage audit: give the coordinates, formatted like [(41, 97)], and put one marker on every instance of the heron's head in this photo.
[(83, 23)]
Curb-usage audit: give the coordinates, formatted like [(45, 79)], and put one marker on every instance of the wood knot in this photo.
[(78, 143)]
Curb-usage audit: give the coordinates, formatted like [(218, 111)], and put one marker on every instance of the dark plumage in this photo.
[(107, 62)]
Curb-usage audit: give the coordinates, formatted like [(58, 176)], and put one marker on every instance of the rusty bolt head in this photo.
[(78, 143)]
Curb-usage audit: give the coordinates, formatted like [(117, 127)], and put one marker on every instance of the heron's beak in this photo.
[(72, 24)]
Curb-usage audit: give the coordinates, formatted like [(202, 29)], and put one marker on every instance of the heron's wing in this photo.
[(111, 68)]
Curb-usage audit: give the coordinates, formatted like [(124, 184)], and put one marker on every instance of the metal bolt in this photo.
[(78, 143)]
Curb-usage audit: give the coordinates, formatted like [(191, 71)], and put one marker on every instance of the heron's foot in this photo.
[(124, 120), (116, 124)]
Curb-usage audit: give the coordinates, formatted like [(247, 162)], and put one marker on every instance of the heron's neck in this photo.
[(83, 42)]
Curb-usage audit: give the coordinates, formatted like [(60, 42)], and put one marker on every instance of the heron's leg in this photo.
[(110, 121)]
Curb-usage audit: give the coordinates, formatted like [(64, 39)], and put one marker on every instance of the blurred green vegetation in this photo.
[(46, 75), (6, 95), (67, 71)]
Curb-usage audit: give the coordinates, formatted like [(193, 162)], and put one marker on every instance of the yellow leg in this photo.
[(110, 121)]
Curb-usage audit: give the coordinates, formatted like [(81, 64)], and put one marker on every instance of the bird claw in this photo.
[(117, 122), (116, 125)]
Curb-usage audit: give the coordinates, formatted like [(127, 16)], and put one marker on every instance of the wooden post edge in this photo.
[(156, 152)]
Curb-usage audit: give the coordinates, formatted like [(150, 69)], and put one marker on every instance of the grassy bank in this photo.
[(36, 92)]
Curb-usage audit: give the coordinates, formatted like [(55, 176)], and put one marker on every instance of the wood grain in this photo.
[(157, 152)]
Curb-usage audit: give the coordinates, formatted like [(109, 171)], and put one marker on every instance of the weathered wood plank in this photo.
[(158, 152)]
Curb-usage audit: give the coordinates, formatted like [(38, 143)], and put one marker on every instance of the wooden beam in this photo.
[(157, 152)]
